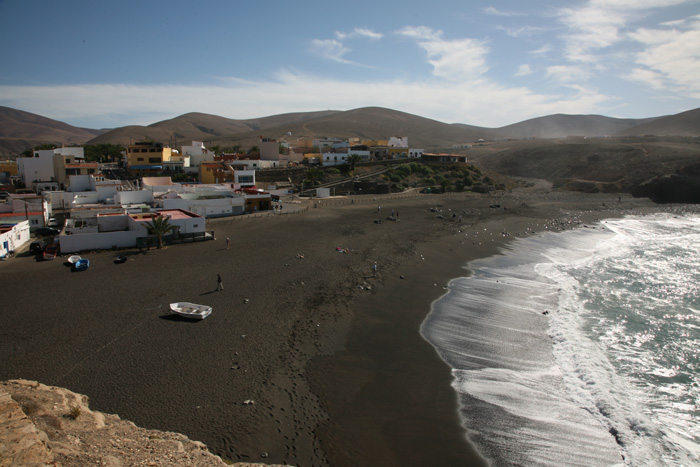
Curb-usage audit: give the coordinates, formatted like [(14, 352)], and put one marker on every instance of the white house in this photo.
[(197, 154), (398, 142), (334, 158), (105, 231), (414, 153), (31, 208), (13, 236), (36, 168)]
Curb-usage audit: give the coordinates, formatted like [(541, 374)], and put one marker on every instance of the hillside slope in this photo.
[(561, 126), (682, 124), (22, 130)]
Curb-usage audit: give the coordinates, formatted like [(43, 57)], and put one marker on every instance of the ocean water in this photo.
[(581, 347)]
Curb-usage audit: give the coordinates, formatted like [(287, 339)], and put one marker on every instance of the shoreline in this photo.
[(304, 331)]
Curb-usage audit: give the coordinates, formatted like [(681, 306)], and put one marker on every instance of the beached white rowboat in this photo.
[(190, 310)]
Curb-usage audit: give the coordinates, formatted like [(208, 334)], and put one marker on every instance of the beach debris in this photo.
[(300, 256), (400, 277), (236, 366), (342, 250), (245, 300), (264, 455), (248, 402)]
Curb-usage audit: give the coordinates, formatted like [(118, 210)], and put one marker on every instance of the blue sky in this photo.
[(107, 64)]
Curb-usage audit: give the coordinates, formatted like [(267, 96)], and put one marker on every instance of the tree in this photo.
[(313, 175), (354, 159), (159, 226), (103, 152)]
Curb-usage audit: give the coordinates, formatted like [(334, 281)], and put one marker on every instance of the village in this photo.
[(55, 202)]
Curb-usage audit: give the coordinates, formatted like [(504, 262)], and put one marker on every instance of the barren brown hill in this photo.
[(24, 130), (664, 169), (194, 126), (682, 124), (562, 126), (373, 123)]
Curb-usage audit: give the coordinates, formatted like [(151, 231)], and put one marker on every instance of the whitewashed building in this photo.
[(13, 236)]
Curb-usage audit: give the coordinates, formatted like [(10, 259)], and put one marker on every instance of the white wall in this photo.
[(15, 238), (133, 197), (99, 241), (39, 167)]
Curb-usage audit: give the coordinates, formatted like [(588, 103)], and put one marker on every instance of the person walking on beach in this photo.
[(219, 284), (374, 270), (228, 243)]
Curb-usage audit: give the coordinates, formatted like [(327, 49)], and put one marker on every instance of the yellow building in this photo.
[(215, 172), (8, 168), (147, 157), (395, 153)]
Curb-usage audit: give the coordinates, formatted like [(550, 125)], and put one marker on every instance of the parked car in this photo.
[(37, 247), (46, 232), (53, 222)]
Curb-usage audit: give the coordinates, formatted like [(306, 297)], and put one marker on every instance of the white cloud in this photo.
[(359, 32), (522, 31), (330, 48), (567, 74), (105, 105), (599, 24), (524, 70), (544, 50), (454, 60), (670, 58), (496, 12)]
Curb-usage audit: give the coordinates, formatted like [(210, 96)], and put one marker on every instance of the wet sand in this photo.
[(308, 358)]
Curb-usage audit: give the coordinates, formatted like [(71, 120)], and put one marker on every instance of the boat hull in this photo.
[(190, 310)]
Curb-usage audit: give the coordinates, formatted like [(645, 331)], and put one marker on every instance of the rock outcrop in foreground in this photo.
[(43, 425)]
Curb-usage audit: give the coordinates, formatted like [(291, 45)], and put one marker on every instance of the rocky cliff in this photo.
[(42, 425)]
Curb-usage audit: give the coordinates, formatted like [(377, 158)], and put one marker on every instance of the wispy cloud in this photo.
[(496, 12), (670, 58), (359, 32), (334, 49), (544, 50), (522, 31), (331, 49), (567, 74), (524, 70), (599, 24), (454, 60)]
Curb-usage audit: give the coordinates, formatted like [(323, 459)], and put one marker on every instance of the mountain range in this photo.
[(21, 130)]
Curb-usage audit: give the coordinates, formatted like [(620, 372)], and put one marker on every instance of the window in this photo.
[(154, 159), (140, 159)]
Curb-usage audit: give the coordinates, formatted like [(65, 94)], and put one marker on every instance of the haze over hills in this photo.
[(23, 130), (682, 124), (561, 126)]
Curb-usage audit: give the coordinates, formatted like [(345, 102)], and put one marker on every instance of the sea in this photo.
[(580, 347)]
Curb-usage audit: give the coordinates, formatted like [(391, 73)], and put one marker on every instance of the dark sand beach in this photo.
[(308, 358)]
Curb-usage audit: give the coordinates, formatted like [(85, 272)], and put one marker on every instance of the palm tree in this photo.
[(160, 226), (354, 159), (313, 174)]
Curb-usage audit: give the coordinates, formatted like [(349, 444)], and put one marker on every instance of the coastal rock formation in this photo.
[(44, 425)]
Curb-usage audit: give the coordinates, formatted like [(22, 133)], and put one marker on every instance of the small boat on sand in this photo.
[(74, 259), (120, 259), (81, 265), (51, 252), (190, 310)]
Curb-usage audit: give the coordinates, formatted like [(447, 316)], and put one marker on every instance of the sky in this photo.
[(98, 64)]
